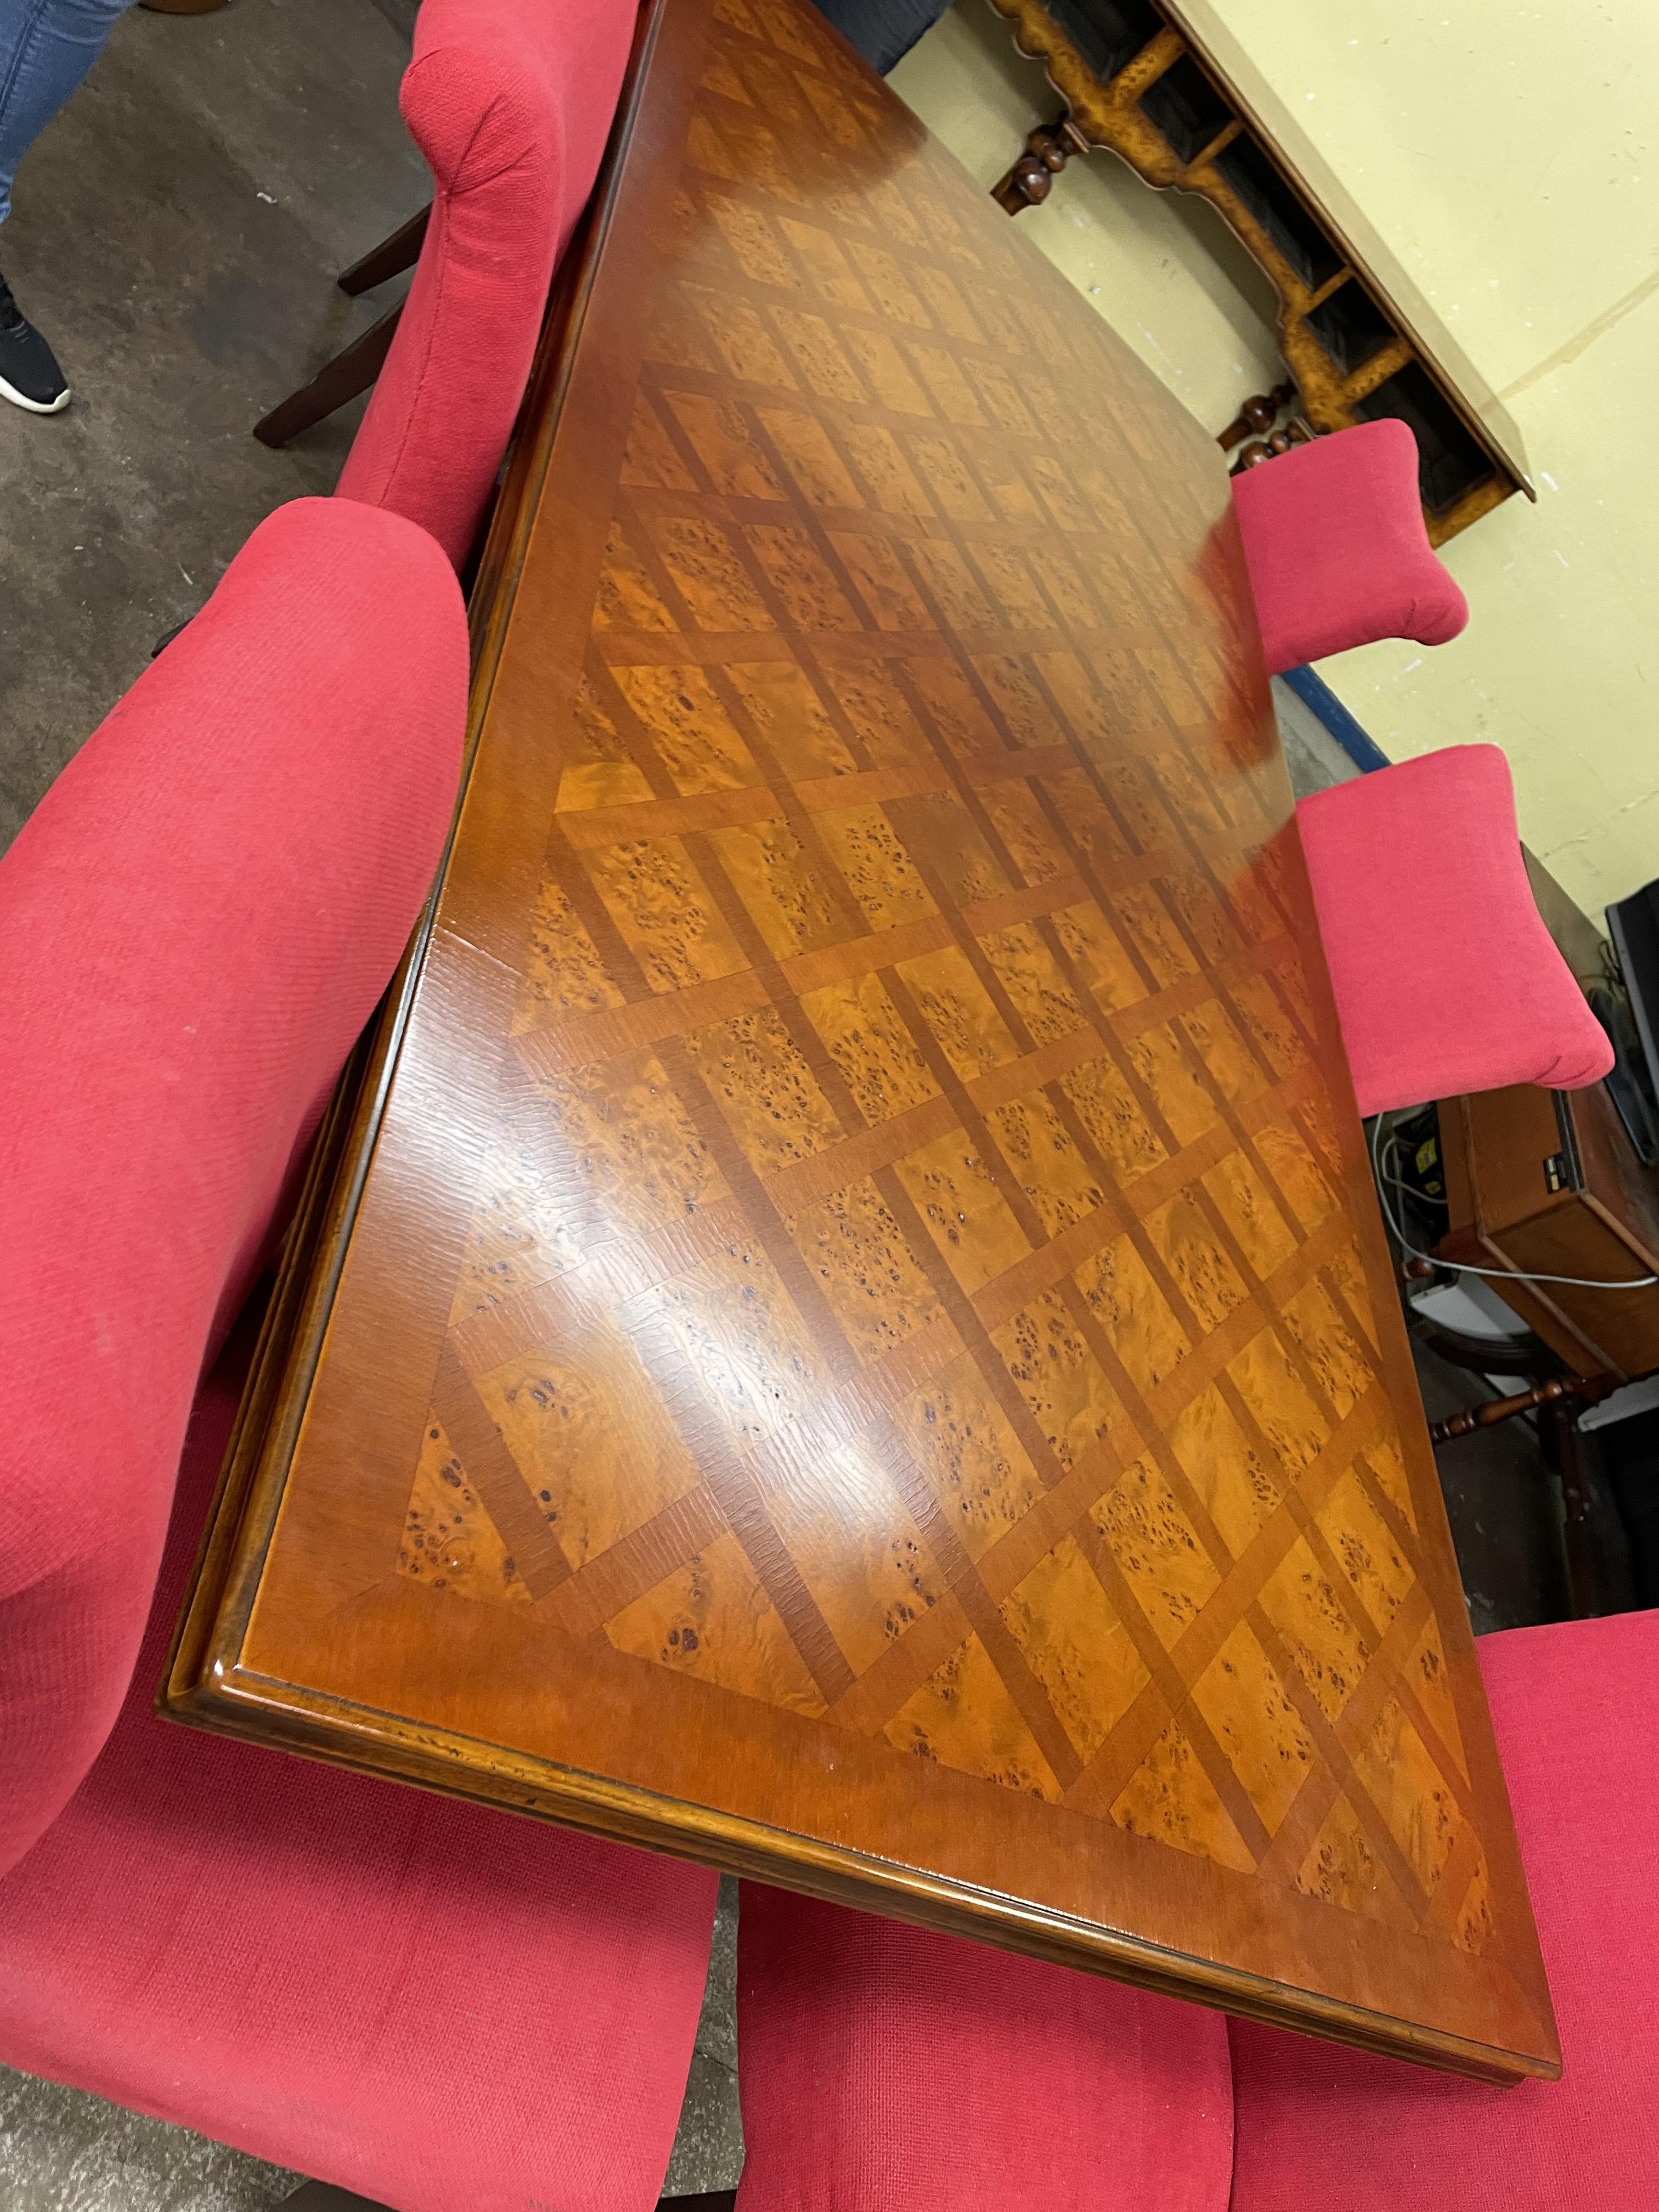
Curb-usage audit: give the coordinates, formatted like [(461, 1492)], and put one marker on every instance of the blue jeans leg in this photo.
[(46, 47)]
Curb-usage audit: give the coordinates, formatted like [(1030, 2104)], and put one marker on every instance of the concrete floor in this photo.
[(63, 2151), (708, 2148), (175, 234)]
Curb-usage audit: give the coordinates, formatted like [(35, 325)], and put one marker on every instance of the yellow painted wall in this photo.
[(1508, 154), (1164, 270)]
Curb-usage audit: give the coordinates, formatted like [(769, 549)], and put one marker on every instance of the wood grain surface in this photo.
[(841, 1327)]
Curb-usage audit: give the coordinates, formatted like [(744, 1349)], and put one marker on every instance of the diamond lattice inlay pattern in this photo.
[(914, 1289)]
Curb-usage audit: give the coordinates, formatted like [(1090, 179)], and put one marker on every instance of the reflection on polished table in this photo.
[(839, 1325)]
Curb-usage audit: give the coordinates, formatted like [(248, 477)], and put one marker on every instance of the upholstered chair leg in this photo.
[(390, 258), (343, 377)]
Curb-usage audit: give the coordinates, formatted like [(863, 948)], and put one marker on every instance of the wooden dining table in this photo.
[(839, 1324)]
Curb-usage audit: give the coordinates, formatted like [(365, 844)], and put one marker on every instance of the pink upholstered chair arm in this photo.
[(196, 923)]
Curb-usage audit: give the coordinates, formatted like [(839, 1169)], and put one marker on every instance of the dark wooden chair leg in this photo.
[(1600, 1576), (390, 258), (345, 377)]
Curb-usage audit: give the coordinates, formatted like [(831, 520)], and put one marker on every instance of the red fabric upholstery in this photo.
[(1577, 1712), (882, 2067), (511, 102), (444, 2007), (198, 920), (1468, 992), (1336, 549)]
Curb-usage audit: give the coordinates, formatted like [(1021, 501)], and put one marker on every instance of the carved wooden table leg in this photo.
[(1269, 449), (1030, 180), (1256, 417)]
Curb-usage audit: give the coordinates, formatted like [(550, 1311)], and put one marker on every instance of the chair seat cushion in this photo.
[(438, 2005), (1337, 550), (883, 2067), (1445, 978), (1576, 1709)]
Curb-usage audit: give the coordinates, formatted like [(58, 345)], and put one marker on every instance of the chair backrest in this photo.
[(195, 926), (1337, 549), (1445, 978), (511, 102)]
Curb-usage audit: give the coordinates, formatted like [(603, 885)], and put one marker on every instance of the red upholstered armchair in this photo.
[(1576, 1709), (511, 102), (442, 2007), (881, 2066)]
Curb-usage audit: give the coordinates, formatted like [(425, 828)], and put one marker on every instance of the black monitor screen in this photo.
[(1633, 926)]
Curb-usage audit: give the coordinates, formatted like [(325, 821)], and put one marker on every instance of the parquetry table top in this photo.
[(841, 1327)]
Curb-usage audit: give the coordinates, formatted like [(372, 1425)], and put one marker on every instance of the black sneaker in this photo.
[(29, 374)]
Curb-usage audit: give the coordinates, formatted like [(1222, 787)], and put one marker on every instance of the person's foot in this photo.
[(29, 374)]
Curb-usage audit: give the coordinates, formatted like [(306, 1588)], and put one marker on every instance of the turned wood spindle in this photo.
[(1031, 180), (1588, 1389), (1256, 415)]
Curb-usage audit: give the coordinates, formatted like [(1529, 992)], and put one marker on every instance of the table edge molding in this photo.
[(238, 1702)]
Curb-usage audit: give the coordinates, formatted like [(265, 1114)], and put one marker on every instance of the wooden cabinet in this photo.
[(1546, 1182)]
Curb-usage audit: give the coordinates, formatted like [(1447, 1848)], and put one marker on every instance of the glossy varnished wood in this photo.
[(841, 1327)]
